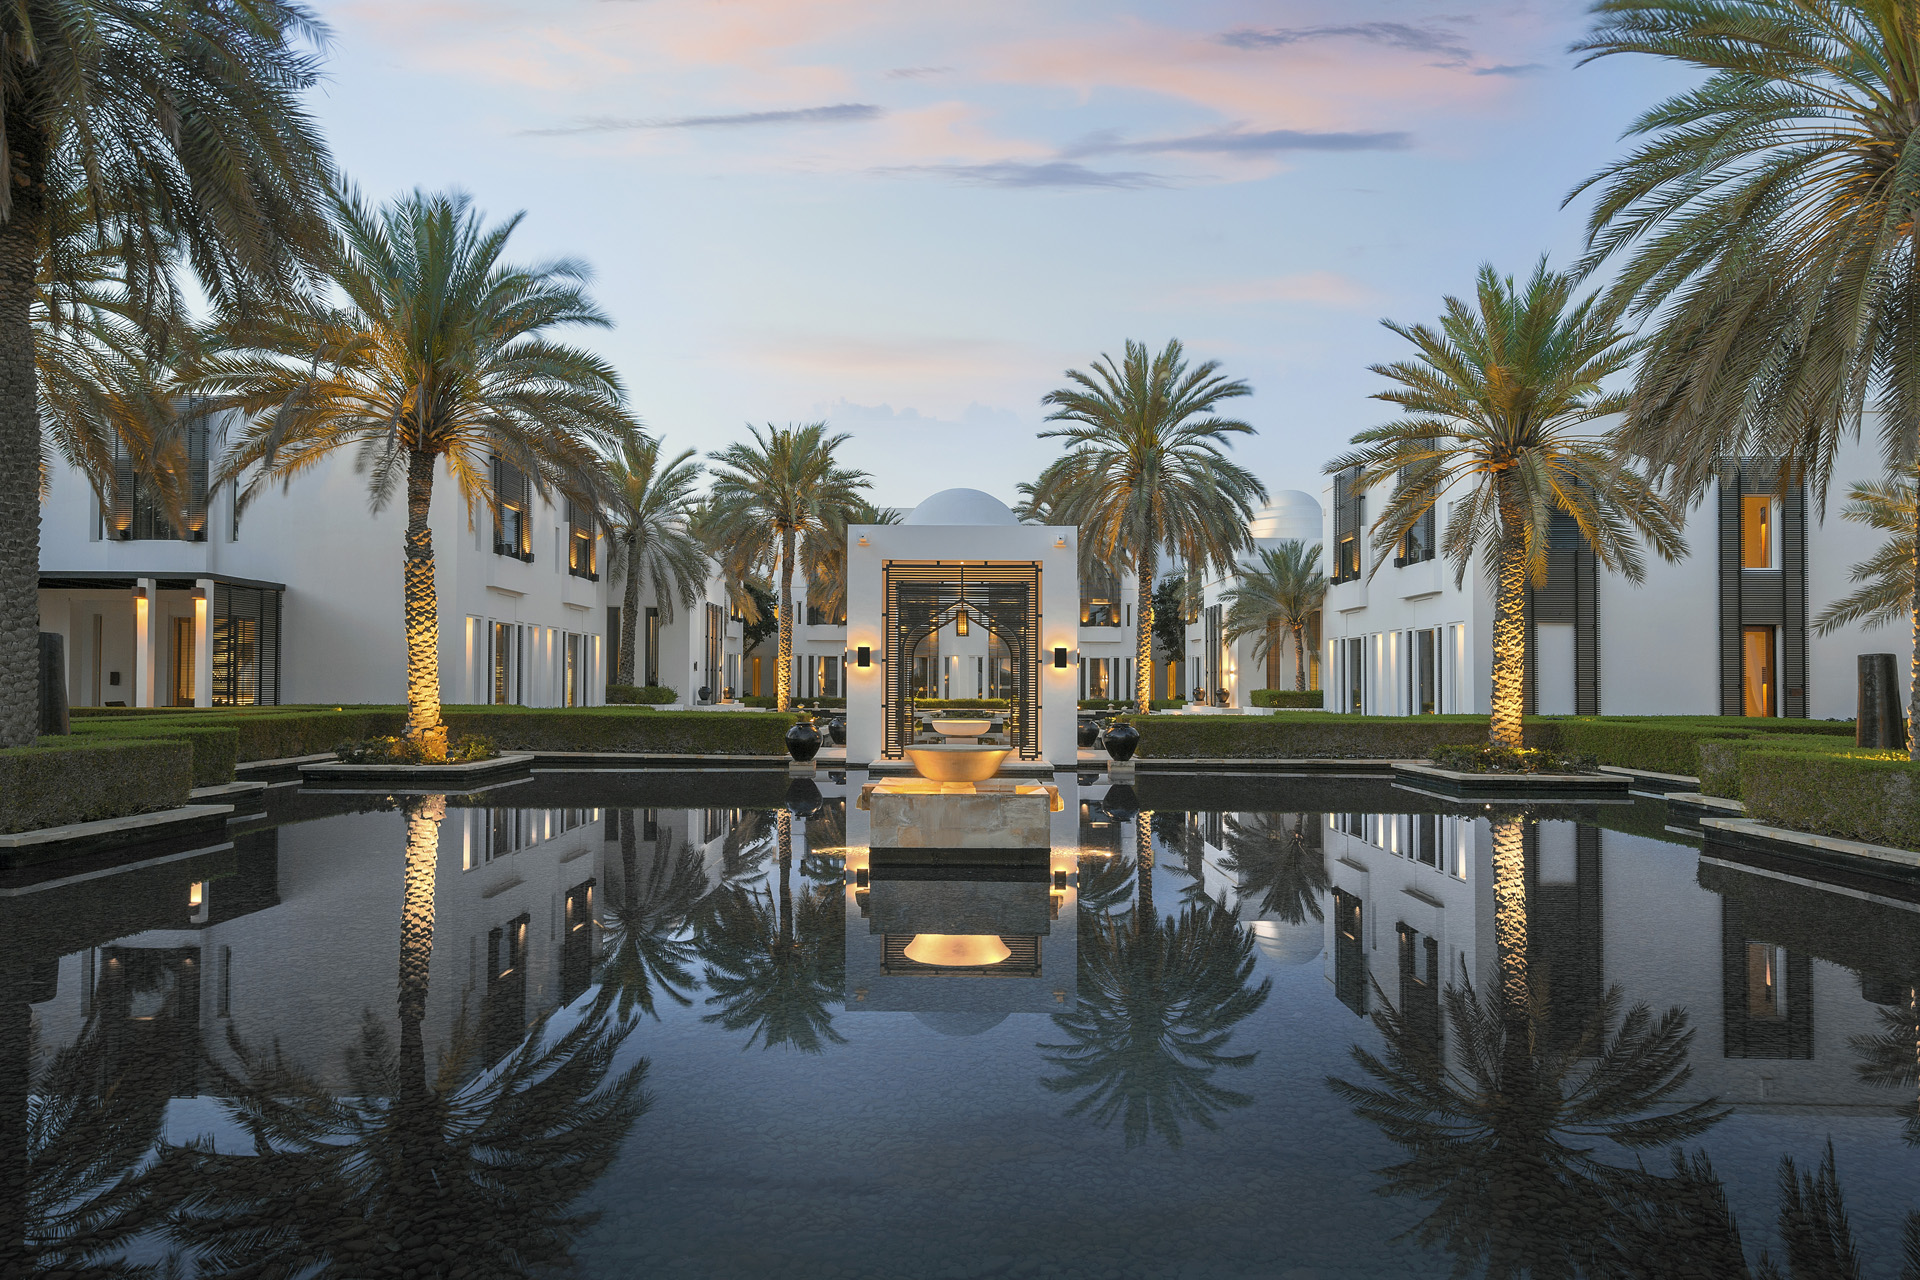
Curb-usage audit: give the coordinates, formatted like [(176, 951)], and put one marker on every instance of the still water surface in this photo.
[(693, 1025)]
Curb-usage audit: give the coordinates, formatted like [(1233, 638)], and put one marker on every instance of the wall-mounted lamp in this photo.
[(1059, 657), (1060, 880), (139, 593), (1060, 543), (960, 623), (863, 657), (199, 593), (863, 539)]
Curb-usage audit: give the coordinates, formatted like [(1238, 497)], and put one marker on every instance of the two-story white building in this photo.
[(1727, 630)]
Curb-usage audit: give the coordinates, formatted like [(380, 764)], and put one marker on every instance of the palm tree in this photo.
[(1768, 217), (1279, 593), (165, 136), (769, 498), (1885, 577), (1146, 473), (1157, 1001), (775, 965), (1493, 411), (826, 557), (651, 535), (441, 357), (487, 1161)]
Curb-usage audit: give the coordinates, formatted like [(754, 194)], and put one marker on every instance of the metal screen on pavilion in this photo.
[(924, 596), (246, 646)]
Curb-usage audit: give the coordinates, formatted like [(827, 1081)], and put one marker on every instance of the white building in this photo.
[(1724, 631), (298, 599), (1229, 672)]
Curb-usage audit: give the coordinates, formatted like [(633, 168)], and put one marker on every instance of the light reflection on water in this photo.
[(1222, 1027)]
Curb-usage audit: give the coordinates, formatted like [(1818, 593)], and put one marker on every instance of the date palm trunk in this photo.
[(1143, 638), (1299, 659), (783, 678), (1144, 917), (21, 245), (1506, 728), (424, 725), (630, 613), (1913, 657)]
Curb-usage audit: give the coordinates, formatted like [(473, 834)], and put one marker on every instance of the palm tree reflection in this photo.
[(1892, 1058), (1277, 862), (1158, 1000), (648, 948), (775, 964), (465, 1168), (1501, 1134)]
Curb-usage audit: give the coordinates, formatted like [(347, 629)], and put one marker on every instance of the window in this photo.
[(1766, 982), (1416, 546), (818, 617), (1426, 690), (246, 647), (1349, 514), (1099, 602), (1757, 671), (138, 513), (710, 673), (570, 676), (1355, 688), (513, 512), (580, 542), (503, 663), (652, 661), (1756, 531)]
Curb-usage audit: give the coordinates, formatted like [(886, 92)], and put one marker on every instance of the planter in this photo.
[(803, 742), (1089, 733), (837, 731), (1122, 741)]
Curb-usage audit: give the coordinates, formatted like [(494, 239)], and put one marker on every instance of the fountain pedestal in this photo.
[(919, 813)]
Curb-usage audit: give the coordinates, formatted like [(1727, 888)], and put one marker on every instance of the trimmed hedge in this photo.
[(63, 780), (1852, 797), (733, 733), (1673, 744), (1306, 736), (213, 748), (1298, 698), (642, 695)]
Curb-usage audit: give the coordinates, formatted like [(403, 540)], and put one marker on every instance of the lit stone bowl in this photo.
[(960, 728), (957, 763)]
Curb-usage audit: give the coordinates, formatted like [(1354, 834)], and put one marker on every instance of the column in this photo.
[(203, 642), (145, 591)]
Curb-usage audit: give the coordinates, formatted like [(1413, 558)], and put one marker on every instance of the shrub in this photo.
[(404, 751), (1875, 798), (1312, 735), (741, 733), (1487, 758), (1297, 698), (1643, 744), (213, 746), (83, 779), (642, 695)]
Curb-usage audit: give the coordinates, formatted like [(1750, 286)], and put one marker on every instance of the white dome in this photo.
[(1290, 515), (962, 506), (1285, 943)]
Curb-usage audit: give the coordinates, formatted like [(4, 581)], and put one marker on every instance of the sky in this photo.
[(911, 219)]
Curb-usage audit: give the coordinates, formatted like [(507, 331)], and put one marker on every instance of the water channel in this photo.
[(690, 1024)]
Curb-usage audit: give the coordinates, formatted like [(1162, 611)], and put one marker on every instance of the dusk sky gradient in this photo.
[(910, 219)]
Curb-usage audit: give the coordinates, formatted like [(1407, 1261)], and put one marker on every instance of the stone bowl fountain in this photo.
[(957, 762), (961, 726)]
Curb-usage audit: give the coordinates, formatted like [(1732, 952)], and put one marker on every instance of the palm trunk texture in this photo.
[(424, 815), (1143, 855), (1510, 932), (1509, 629), (20, 250), (1913, 659), (630, 614), (783, 678), (422, 614), (1143, 639), (1299, 659)]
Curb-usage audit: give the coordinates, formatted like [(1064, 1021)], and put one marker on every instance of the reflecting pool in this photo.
[(634, 1024)]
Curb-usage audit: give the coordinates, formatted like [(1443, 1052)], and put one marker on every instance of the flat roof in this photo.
[(111, 580)]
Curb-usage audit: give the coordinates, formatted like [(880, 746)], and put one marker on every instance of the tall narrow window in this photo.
[(580, 542), (183, 662), (652, 637), (502, 662), (1766, 981), (1426, 700), (1756, 531), (141, 511), (513, 503), (1757, 655), (1349, 514), (1355, 685)]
